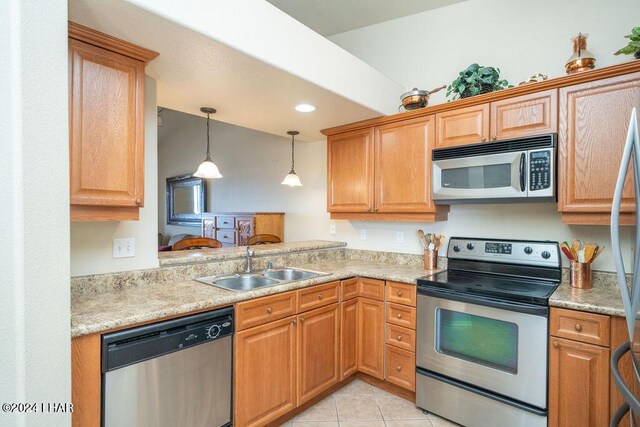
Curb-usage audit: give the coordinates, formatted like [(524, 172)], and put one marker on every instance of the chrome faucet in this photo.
[(250, 253)]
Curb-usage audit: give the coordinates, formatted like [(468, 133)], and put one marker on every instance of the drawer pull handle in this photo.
[(399, 293), (399, 367), (293, 321), (138, 201), (301, 319), (319, 296), (399, 337), (555, 344), (484, 138), (495, 137), (225, 222), (578, 327), (399, 315), (269, 310)]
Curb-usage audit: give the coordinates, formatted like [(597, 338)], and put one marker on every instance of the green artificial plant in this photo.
[(633, 47), (475, 80)]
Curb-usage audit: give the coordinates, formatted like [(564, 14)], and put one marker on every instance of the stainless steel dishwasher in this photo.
[(171, 373)]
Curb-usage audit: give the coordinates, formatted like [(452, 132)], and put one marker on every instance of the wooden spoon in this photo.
[(599, 250), (442, 240), (422, 238), (589, 252)]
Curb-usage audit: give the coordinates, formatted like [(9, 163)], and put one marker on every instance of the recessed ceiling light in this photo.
[(305, 108)]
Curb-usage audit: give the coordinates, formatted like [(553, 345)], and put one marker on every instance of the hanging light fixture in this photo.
[(208, 169), (292, 179)]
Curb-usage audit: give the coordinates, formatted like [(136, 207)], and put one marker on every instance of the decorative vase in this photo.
[(582, 59)]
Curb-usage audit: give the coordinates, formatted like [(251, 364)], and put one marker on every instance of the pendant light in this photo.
[(292, 180), (208, 169)]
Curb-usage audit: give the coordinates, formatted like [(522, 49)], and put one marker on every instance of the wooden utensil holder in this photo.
[(430, 259), (580, 275)]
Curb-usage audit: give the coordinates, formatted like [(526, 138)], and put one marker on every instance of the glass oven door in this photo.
[(494, 176), (489, 346)]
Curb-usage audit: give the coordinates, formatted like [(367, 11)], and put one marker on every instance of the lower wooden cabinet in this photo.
[(401, 367), (348, 337), (371, 337), (579, 385), (318, 351), (265, 372)]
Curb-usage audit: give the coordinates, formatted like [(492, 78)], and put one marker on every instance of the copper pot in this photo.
[(417, 98)]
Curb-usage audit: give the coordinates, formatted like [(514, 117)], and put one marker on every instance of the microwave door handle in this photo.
[(523, 171)]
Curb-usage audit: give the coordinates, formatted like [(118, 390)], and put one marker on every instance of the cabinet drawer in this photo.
[(264, 310), (401, 367), (226, 235), (225, 222), (401, 315), (580, 326), (348, 289), (401, 293), (317, 296), (400, 337), (371, 288)]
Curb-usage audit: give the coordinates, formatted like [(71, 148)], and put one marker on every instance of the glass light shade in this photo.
[(292, 180), (208, 169)]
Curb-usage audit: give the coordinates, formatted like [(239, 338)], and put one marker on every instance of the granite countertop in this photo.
[(602, 298), (115, 309)]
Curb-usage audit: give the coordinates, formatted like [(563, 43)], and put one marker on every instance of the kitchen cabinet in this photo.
[(106, 125), (235, 228), (401, 367), (371, 337), (594, 118), (463, 126), (526, 115), (400, 343), (318, 351), (265, 377), (348, 337)]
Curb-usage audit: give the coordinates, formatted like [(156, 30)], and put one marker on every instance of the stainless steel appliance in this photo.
[(172, 373), (522, 169), (482, 332), (630, 297)]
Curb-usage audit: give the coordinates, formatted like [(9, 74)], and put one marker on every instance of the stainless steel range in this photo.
[(482, 332)]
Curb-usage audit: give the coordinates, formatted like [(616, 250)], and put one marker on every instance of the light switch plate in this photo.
[(124, 248), (400, 237), (332, 228), (363, 234)]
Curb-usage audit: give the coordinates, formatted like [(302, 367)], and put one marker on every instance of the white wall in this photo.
[(35, 360), (252, 163), (92, 241), (520, 37)]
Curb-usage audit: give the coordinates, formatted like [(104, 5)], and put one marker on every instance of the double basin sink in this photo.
[(259, 279)]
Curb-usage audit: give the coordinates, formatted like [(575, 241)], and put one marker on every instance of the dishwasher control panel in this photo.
[(205, 331)]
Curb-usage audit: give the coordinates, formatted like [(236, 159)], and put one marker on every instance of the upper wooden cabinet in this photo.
[(463, 126), (383, 173), (350, 172), (106, 129), (526, 115), (594, 118)]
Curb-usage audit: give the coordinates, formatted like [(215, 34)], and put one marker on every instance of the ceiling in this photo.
[(329, 17), (195, 70)]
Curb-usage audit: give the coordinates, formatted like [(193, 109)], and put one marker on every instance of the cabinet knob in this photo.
[(399, 337), (484, 139), (399, 367), (293, 321), (399, 293), (399, 315), (495, 137), (138, 201), (319, 296), (555, 344), (269, 310), (578, 327), (301, 319)]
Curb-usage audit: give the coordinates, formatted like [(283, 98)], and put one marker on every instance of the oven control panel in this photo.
[(534, 253), (539, 170)]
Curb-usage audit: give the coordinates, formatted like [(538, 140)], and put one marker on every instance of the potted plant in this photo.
[(633, 47), (475, 80)]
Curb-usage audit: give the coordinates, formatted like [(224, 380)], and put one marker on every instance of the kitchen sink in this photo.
[(259, 279)]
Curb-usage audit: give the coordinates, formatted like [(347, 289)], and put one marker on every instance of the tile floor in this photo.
[(359, 404)]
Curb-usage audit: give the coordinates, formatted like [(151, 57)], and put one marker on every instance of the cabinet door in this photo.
[(265, 372), (350, 172), (578, 384), (594, 118), (403, 166), (209, 227), (526, 115), (371, 337), (106, 145), (463, 126), (401, 368), (348, 337), (318, 351), (244, 228)]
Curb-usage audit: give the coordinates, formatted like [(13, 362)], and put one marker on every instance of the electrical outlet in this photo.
[(124, 248), (363, 234), (400, 237), (332, 228)]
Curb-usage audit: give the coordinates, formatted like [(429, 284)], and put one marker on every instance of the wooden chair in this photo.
[(261, 239), (196, 242)]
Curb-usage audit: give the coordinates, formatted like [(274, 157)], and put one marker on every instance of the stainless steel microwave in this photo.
[(515, 170)]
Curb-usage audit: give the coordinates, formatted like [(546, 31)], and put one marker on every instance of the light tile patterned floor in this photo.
[(360, 405)]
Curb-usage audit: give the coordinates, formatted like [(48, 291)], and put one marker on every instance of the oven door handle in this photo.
[(523, 171), (536, 310)]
